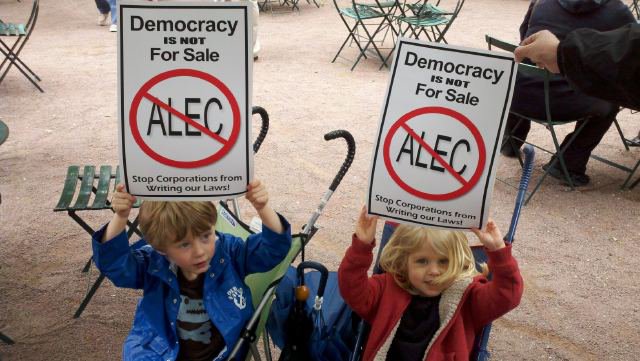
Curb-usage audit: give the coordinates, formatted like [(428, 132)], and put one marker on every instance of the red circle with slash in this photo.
[(143, 93), (467, 185)]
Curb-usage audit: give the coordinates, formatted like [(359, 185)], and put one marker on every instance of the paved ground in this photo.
[(576, 249)]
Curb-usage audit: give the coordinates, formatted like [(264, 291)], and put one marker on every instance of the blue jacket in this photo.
[(226, 297)]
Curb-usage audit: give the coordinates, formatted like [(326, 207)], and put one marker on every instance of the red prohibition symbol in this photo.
[(466, 185), (143, 93)]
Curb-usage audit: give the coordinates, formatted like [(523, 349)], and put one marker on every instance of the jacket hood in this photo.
[(581, 6)]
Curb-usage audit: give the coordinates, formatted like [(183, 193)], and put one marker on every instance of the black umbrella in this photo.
[(299, 326)]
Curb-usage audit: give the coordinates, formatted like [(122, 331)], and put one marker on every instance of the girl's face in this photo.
[(423, 267)]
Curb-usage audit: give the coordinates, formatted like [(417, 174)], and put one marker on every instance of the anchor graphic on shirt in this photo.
[(235, 295)]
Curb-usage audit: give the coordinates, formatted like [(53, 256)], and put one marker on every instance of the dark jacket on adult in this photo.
[(604, 64), (561, 17)]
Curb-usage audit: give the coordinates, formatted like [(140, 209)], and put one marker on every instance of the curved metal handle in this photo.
[(264, 129), (351, 152), (324, 274), (527, 168)]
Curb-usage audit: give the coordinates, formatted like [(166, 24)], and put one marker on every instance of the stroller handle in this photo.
[(351, 144), (264, 128), (324, 274), (527, 168)]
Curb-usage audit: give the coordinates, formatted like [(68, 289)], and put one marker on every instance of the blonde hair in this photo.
[(408, 239), (164, 223)]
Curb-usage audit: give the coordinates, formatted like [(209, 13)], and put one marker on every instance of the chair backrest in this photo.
[(526, 70), (19, 29), (432, 13)]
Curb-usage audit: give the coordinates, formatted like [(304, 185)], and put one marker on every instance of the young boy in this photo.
[(195, 302)]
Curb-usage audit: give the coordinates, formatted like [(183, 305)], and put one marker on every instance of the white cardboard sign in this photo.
[(439, 133), (184, 99)]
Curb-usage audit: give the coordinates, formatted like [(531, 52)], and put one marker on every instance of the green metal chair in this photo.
[(425, 19), (548, 122), (634, 6), (371, 23), (81, 193), (4, 134), (90, 196), (22, 32)]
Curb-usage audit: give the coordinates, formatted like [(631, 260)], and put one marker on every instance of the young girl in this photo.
[(431, 302)]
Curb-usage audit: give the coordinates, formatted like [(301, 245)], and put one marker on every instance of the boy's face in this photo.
[(193, 254), (424, 266)]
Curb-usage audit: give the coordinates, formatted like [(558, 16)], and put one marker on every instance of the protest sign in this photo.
[(439, 133), (184, 94)]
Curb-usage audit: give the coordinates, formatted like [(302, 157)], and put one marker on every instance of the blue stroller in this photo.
[(325, 328)]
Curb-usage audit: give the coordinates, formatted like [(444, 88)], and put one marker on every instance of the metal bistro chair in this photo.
[(548, 122), (108, 177), (371, 23), (428, 19), (22, 32), (4, 134)]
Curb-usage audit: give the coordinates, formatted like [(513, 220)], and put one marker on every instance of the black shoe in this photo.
[(578, 179), (508, 151)]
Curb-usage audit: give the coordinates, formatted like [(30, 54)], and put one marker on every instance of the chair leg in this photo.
[(20, 62), (633, 171), (6, 339), (81, 222), (89, 295), (12, 61), (558, 158), (87, 265), (622, 137), (350, 36), (370, 42)]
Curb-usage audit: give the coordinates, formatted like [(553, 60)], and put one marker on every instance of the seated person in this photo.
[(561, 17), (195, 301)]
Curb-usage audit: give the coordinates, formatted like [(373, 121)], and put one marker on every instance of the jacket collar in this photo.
[(162, 268), (449, 303)]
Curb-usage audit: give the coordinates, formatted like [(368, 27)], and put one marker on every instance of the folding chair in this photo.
[(22, 32), (378, 16), (424, 18), (107, 181), (547, 122), (634, 6), (6, 339)]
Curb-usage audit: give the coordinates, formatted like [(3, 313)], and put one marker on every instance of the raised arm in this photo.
[(503, 293), (122, 202), (111, 251), (359, 291), (259, 197)]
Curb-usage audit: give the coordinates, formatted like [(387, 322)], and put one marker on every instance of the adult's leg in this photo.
[(256, 15), (103, 6), (114, 11), (577, 154)]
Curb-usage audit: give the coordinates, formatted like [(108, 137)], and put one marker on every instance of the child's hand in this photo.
[(122, 202), (257, 194), (490, 237), (366, 226), (259, 197)]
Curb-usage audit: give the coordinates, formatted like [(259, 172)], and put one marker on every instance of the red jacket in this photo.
[(465, 307)]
